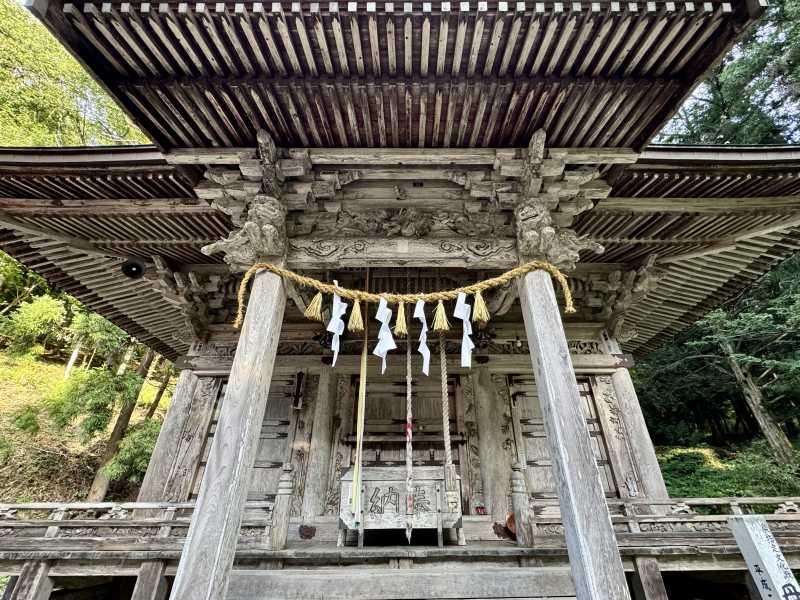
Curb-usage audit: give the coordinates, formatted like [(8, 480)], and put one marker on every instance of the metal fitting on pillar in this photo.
[(520, 504)]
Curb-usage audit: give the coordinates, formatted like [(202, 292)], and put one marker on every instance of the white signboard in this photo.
[(769, 568)]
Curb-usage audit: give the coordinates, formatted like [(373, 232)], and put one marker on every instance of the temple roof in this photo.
[(715, 218), (399, 74)]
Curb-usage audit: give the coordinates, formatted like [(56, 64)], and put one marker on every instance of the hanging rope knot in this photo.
[(480, 315)]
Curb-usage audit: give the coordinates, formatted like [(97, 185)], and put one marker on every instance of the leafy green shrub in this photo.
[(6, 449), (89, 397), (27, 419), (130, 463), (40, 320), (706, 472)]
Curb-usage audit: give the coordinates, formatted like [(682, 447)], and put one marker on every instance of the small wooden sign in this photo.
[(770, 570)]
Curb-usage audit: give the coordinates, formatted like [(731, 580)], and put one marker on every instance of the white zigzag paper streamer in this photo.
[(419, 313), (463, 311), (336, 324), (385, 338)]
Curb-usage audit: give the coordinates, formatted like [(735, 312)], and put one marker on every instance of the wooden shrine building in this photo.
[(397, 147)]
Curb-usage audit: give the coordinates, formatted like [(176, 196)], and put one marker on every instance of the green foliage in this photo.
[(39, 320), (89, 398), (27, 419), (6, 449), (96, 332), (705, 472), (130, 463), (753, 96), (686, 388), (46, 98)]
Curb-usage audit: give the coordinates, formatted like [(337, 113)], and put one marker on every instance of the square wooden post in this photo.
[(208, 554), (319, 456), (641, 444), (591, 543)]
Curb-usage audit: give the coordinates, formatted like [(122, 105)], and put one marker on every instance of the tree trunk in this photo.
[(91, 359), (101, 480), (126, 359), (151, 410), (72, 359), (755, 401), (18, 300)]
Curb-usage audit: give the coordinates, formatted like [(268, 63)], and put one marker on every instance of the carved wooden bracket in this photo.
[(251, 196)]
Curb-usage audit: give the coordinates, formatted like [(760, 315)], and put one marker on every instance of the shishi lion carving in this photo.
[(538, 237), (262, 235)]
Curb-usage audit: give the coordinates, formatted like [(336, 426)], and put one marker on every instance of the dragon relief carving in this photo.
[(401, 222)]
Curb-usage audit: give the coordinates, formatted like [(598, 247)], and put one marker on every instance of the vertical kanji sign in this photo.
[(769, 568)]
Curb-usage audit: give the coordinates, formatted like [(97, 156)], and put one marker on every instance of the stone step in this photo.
[(457, 582)]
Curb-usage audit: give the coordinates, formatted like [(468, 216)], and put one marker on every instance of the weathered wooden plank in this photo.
[(316, 484), (204, 569), (765, 560), (647, 582), (704, 205), (320, 253), (495, 460), (591, 543), (394, 584), (641, 445), (178, 450), (34, 582)]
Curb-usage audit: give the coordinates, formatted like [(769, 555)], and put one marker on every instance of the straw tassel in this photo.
[(440, 322), (480, 314), (400, 329), (356, 322), (314, 309)]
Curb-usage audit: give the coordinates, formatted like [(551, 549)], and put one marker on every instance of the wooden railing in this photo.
[(140, 527), (674, 515), (156, 531)]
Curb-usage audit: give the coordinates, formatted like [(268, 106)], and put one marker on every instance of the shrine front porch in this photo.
[(85, 541)]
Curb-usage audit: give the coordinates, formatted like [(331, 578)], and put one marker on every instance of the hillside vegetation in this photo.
[(52, 463)]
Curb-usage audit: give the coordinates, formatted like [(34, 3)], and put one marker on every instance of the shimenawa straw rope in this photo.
[(362, 296)]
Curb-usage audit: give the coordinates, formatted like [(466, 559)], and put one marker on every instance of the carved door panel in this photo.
[(274, 444), (208, 437), (385, 418), (532, 446)]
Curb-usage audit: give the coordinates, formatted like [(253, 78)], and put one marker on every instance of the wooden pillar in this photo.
[(495, 461), (647, 581), (520, 503), (591, 543), (34, 582), (644, 454), (207, 558), (319, 459)]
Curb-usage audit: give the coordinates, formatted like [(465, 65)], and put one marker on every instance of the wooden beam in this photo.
[(590, 156), (394, 584), (591, 543), (90, 207), (74, 242), (765, 204), (207, 558), (399, 156), (473, 253)]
